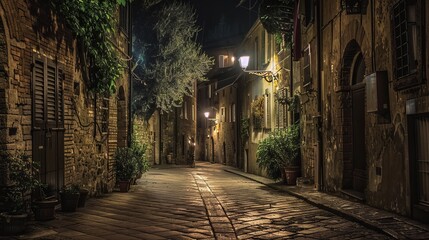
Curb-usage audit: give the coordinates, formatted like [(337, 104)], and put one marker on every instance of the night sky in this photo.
[(222, 20)]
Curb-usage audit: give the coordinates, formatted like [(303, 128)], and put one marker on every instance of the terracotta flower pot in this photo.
[(44, 210), (124, 186), (291, 174)]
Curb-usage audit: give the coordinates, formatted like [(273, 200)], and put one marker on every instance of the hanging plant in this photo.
[(281, 96)]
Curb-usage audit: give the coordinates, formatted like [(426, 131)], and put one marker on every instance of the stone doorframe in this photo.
[(353, 43)]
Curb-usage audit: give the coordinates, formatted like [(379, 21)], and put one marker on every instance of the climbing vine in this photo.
[(93, 23)]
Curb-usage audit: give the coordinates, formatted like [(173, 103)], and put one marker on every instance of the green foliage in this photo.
[(139, 153), (280, 149), (23, 178), (125, 164), (292, 102), (275, 15), (170, 61), (257, 107), (93, 23), (130, 161), (244, 131)]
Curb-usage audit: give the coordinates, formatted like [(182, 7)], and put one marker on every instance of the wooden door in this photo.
[(358, 126), (48, 122), (420, 174)]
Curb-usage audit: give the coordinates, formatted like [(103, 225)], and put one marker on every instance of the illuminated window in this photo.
[(223, 61)]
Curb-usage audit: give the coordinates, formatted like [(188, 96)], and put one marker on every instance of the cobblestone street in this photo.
[(200, 203)]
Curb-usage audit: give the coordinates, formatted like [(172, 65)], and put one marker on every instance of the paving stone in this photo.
[(203, 203)]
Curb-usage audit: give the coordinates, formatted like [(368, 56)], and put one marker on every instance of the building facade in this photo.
[(359, 70), (257, 105), (46, 109), (170, 137), (363, 131)]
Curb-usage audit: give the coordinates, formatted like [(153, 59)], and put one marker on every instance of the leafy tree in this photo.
[(168, 57)]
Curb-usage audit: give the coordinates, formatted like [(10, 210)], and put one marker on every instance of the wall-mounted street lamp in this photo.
[(207, 114), (267, 75)]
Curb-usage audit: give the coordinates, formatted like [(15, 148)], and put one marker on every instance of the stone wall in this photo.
[(386, 135), (30, 31)]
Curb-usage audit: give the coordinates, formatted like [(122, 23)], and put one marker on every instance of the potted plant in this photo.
[(69, 198), (83, 195), (125, 168), (279, 154), (292, 154), (15, 195), (43, 207)]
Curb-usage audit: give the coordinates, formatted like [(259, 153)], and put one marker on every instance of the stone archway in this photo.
[(355, 176), (122, 118)]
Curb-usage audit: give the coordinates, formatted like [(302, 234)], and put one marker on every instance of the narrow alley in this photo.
[(205, 202)]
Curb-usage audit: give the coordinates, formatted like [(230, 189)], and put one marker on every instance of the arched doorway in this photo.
[(355, 173), (360, 176)]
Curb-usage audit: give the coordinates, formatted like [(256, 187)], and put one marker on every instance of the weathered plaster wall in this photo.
[(385, 135)]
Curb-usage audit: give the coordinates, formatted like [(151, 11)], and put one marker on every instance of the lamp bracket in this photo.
[(267, 75)]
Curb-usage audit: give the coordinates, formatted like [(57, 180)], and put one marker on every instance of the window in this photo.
[(264, 47), (223, 61), (230, 113), (269, 47), (186, 110), (123, 18), (104, 115), (404, 37), (307, 66), (222, 114), (233, 112), (193, 112), (256, 54), (267, 112), (406, 19)]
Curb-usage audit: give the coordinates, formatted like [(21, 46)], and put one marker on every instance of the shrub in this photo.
[(139, 153), (126, 166), (280, 149), (22, 173), (131, 161)]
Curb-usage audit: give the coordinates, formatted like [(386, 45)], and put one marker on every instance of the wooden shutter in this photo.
[(60, 97), (38, 93), (51, 94)]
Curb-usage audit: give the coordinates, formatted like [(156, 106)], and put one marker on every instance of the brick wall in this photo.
[(88, 154)]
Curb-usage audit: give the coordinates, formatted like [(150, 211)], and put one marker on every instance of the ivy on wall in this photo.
[(94, 25)]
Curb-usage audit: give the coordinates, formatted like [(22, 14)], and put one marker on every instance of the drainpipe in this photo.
[(319, 95)]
